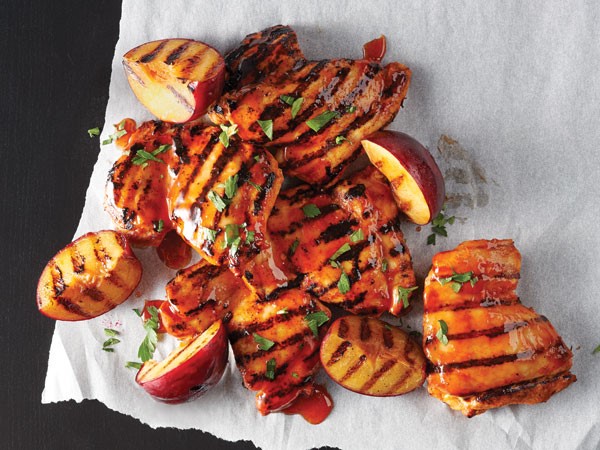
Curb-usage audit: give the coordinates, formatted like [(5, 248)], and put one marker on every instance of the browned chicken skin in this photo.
[(360, 215), (498, 352), (361, 96)]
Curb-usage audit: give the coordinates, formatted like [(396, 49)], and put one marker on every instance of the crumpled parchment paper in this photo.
[(506, 95)]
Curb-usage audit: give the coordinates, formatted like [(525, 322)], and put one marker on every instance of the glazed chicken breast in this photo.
[(349, 230), (281, 367), (486, 348), (311, 114)]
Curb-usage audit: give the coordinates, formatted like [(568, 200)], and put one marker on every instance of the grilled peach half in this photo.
[(175, 79), (189, 370), (370, 357), (88, 277), (417, 182)]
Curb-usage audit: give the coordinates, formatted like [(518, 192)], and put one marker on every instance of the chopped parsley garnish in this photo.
[(438, 226), (207, 234), (107, 344), (282, 311), (94, 132), (148, 345), (295, 103), (311, 210), (234, 247), (267, 127), (384, 265), (351, 109), (121, 131), (596, 350), (294, 374), (217, 200), (442, 332), (250, 236), (263, 343), (293, 247), (137, 311), (357, 236), (343, 283), (254, 185), (315, 320), (110, 332), (340, 251), (226, 133), (340, 139), (270, 372), (158, 225), (318, 122), (133, 365), (232, 232), (230, 186), (403, 294), (458, 279), (142, 157)]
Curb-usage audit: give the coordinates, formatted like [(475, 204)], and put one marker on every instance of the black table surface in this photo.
[(56, 63)]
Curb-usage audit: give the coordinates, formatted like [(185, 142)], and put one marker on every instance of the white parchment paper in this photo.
[(515, 87)]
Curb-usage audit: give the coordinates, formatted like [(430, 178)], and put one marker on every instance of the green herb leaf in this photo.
[(257, 158), (216, 200), (234, 247), (231, 186), (294, 374), (226, 133), (287, 99), (293, 247), (403, 294), (254, 185), (384, 265), (250, 236), (458, 279), (142, 157), (311, 210), (263, 343), (158, 225), (270, 372), (318, 122), (110, 332), (340, 251), (340, 139), (431, 239), (108, 349), (148, 345), (207, 234), (357, 236), (232, 232), (94, 132), (110, 342), (442, 332), (351, 109), (438, 226), (315, 320), (596, 350), (116, 135), (137, 311), (343, 283), (133, 365), (296, 106), (335, 264), (267, 127)]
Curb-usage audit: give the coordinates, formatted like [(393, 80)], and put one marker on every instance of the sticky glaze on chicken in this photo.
[(361, 96), (360, 214), (202, 294), (498, 351)]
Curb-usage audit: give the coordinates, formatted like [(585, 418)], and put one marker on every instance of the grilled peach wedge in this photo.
[(189, 370), (88, 277), (175, 79), (370, 357), (416, 179)]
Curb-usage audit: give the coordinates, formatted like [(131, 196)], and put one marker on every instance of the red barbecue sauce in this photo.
[(314, 406), (174, 252), (375, 50), (146, 314)]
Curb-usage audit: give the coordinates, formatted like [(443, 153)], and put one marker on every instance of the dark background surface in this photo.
[(56, 60)]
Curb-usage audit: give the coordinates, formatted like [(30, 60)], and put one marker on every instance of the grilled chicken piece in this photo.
[(202, 294), (262, 54), (498, 351), (136, 190), (360, 97), (361, 216)]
